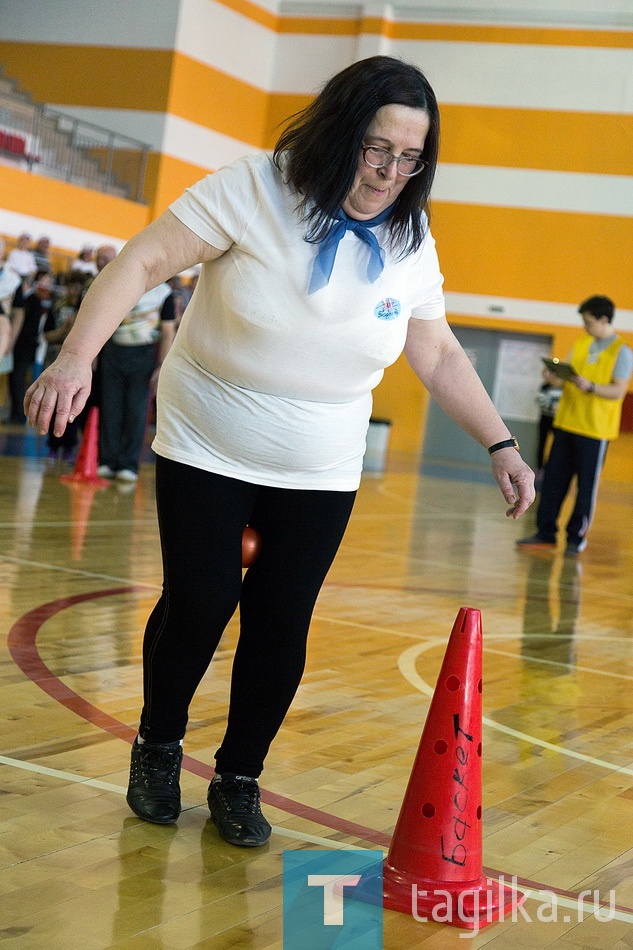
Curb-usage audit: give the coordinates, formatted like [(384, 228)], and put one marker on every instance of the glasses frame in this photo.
[(394, 158)]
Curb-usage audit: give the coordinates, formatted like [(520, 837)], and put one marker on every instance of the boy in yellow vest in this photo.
[(588, 417)]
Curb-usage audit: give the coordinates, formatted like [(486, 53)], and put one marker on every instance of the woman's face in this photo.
[(398, 129)]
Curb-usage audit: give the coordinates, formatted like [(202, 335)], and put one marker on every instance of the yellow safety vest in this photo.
[(586, 413)]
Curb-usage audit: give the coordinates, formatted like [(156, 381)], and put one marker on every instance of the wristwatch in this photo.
[(510, 443), (592, 388)]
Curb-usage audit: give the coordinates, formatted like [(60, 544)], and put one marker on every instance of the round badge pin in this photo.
[(387, 309)]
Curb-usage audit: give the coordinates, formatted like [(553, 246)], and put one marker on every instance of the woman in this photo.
[(313, 263)]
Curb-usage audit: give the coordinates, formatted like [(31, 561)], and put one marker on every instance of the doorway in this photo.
[(510, 367)]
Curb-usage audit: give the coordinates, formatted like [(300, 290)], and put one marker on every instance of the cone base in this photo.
[(470, 905), (78, 479)]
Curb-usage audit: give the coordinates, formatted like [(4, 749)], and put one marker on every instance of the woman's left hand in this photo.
[(515, 479)]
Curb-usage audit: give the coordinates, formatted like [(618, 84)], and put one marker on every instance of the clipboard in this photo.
[(563, 370)]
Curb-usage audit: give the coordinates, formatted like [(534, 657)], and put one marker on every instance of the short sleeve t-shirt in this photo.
[(264, 381)]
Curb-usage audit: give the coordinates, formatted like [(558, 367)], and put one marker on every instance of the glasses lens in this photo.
[(377, 157), (380, 158), (410, 166)]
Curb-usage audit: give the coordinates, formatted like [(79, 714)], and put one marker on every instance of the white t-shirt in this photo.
[(265, 383)]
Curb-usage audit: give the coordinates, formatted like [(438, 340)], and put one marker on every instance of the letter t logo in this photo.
[(333, 902)]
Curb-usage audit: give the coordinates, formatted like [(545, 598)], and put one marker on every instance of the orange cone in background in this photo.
[(85, 470), (434, 866)]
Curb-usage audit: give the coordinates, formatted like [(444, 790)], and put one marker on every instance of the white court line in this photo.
[(74, 570), (543, 897), (120, 790), (367, 626), (406, 664), (572, 666), (65, 776), (68, 524)]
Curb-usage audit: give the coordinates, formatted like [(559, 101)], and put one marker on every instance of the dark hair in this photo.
[(598, 307), (324, 140)]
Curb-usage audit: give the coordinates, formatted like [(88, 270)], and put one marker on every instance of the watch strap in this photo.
[(506, 444)]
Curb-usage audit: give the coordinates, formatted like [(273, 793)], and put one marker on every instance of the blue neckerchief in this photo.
[(324, 261)]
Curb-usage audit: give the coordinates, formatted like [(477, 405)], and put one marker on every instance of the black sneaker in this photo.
[(234, 804), (575, 547), (154, 791)]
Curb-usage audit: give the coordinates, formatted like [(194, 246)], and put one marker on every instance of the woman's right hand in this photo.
[(60, 392)]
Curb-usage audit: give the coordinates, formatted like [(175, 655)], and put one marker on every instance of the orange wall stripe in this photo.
[(531, 138), (252, 12), (528, 36), (67, 204), (327, 26), (448, 32), (97, 76), (217, 101), (280, 107), (533, 254), (511, 137), (170, 178)]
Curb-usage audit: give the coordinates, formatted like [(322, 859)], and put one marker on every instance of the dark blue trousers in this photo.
[(571, 455), (125, 376)]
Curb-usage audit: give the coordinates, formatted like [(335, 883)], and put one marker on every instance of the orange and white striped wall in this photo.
[(533, 203)]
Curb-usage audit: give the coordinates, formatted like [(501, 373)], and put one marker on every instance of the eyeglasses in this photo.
[(377, 157)]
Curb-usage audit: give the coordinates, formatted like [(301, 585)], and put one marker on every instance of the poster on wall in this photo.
[(518, 378)]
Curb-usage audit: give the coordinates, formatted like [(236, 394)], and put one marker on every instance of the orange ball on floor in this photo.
[(251, 545)]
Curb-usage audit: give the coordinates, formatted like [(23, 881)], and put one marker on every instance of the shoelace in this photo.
[(239, 796), (158, 765)]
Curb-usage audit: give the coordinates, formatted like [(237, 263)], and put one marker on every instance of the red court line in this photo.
[(23, 649)]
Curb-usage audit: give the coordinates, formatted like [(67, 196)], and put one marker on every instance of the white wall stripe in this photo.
[(525, 311), (583, 79), (61, 235), (224, 39), (581, 14), (534, 188), (193, 143)]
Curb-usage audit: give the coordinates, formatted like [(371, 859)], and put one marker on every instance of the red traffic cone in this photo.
[(434, 865), (85, 470)]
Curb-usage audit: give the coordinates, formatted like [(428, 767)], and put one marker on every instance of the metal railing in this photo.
[(60, 146)]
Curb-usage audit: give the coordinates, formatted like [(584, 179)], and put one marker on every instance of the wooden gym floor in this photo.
[(79, 572)]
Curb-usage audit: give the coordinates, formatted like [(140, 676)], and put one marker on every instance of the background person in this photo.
[(58, 325), (587, 419), (548, 399), (29, 320), (85, 261), (318, 268), (21, 258), (129, 365)]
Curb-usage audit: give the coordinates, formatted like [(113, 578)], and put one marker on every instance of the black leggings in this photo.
[(201, 517)]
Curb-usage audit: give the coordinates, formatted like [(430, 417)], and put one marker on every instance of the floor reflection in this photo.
[(552, 604)]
